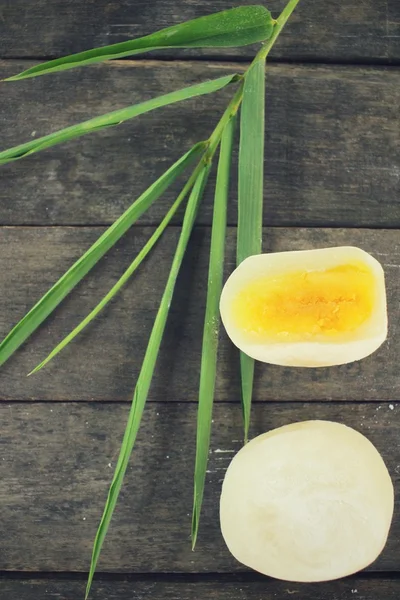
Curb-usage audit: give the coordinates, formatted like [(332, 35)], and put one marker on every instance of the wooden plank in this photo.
[(226, 589), (332, 152), (104, 362), (57, 461), (331, 31)]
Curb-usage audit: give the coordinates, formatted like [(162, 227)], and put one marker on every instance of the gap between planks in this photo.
[(343, 403), (233, 577), (240, 62)]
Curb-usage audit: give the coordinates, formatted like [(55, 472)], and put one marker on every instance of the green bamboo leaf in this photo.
[(125, 277), (235, 27), (247, 377), (211, 324), (73, 276), (147, 370), (114, 118), (251, 176)]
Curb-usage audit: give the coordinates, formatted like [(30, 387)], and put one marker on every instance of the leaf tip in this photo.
[(35, 370), (194, 540), (88, 587), (195, 526), (246, 425)]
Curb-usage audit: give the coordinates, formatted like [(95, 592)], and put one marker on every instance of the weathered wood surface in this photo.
[(355, 588), (104, 362), (332, 159), (57, 462), (337, 30), (332, 151)]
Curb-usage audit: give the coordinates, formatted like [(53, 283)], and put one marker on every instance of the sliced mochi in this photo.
[(311, 308)]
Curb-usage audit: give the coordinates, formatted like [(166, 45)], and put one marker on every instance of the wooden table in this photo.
[(332, 177)]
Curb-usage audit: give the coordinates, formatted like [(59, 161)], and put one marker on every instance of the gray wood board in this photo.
[(336, 30), (232, 588), (57, 462), (104, 362), (332, 143)]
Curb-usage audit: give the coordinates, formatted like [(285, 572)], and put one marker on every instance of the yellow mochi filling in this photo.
[(301, 305)]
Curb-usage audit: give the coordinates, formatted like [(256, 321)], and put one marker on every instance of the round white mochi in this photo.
[(310, 501)]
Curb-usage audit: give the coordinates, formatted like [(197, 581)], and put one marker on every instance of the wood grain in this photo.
[(103, 363), (230, 588), (57, 462), (332, 160), (324, 31), (332, 151)]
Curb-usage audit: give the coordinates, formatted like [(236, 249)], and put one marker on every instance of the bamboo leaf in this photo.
[(211, 324), (124, 278), (250, 203), (247, 377), (147, 370), (235, 27), (114, 118), (71, 278)]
